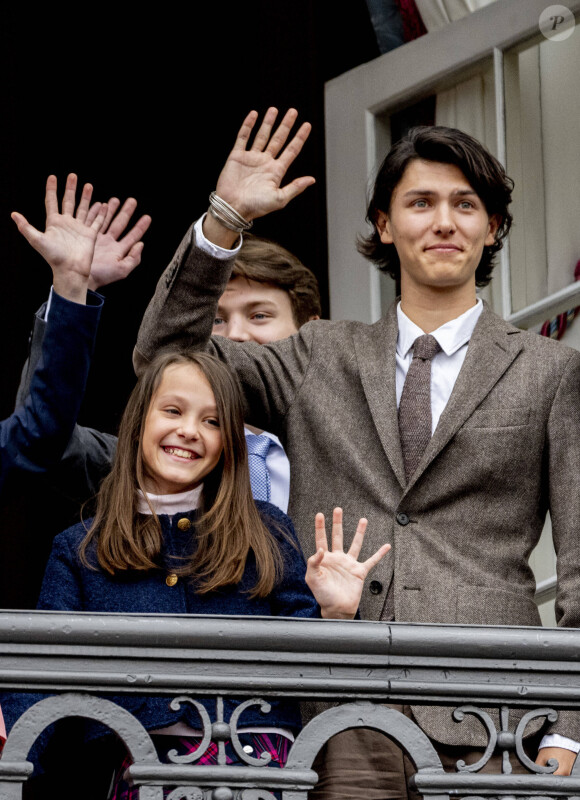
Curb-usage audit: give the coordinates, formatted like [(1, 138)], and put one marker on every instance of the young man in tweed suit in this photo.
[(503, 445)]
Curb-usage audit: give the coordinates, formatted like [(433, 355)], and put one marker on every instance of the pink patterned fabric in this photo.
[(2, 731), (278, 747)]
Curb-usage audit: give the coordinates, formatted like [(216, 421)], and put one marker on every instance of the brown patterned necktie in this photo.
[(415, 403)]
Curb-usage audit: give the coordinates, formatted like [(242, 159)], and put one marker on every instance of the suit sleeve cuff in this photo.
[(93, 299), (555, 740), (209, 247)]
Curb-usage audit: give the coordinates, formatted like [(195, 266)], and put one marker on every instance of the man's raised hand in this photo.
[(336, 578), (251, 180)]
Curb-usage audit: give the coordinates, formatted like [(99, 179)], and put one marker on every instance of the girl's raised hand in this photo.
[(68, 241), (117, 252), (336, 578)]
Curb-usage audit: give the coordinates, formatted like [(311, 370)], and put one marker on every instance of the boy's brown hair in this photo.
[(264, 261)]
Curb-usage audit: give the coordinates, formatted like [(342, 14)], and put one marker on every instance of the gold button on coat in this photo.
[(171, 579), (184, 524)]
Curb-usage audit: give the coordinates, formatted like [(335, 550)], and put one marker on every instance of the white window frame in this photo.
[(357, 107)]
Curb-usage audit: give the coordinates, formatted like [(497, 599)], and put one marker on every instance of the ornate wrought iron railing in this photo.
[(359, 664)]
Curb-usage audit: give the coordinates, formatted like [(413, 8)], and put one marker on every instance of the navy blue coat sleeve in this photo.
[(62, 585), (36, 434), (89, 453)]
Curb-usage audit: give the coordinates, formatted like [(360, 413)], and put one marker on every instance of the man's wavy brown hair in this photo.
[(447, 146)]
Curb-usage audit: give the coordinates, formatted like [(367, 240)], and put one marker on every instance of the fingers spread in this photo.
[(245, 131), (50, 198), (265, 129), (295, 145), (295, 188), (282, 132), (68, 200), (337, 537), (26, 229), (85, 202), (137, 231), (320, 532), (112, 207), (378, 556), (358, 538), (120, 222)]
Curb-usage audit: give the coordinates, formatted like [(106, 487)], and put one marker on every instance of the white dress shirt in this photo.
[(209, 247), (453, 338)]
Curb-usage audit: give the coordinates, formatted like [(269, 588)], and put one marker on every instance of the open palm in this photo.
[(251, 178), (116, 256), (68, 240), (336, 578)]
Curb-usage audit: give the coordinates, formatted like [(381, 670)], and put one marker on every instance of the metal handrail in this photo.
[(80, 657)]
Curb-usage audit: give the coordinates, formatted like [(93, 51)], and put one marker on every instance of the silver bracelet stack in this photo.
[(226, 215)]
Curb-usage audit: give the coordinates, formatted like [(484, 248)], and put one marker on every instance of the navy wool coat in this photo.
[(69, 585)]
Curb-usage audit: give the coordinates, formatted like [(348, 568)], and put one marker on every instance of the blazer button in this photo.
[(375, 587), (171, 579), (402, 518), (184, 524)]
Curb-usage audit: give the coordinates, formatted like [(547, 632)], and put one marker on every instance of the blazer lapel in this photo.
[(493, 347), (375, 348)]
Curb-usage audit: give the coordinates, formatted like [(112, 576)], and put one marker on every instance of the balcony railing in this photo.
[(362, 665)]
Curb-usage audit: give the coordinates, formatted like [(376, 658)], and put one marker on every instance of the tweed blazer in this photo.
[(505, 451)]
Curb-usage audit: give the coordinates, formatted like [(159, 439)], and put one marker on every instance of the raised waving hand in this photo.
[(116, 256), (336, 578), (252, 177), (68, 240)]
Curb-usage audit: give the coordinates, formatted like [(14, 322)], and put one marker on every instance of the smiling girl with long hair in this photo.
[(176, 530)]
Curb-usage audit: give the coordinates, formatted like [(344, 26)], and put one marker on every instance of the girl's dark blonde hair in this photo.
[(229, 526)]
